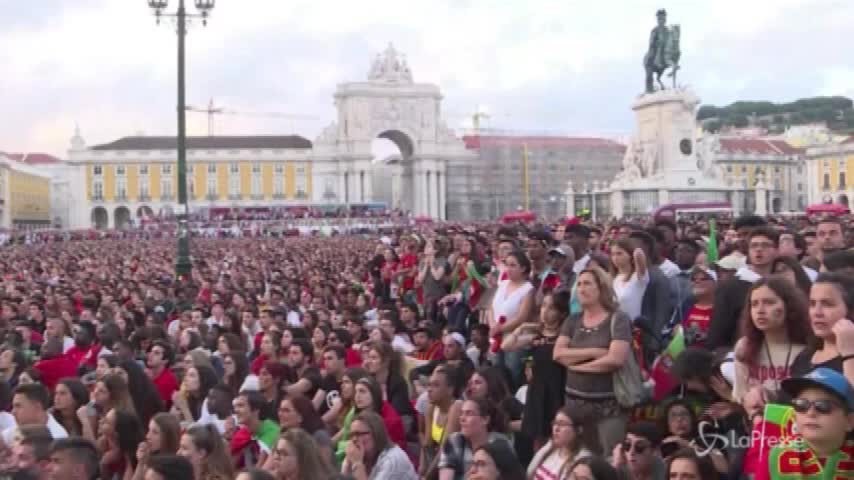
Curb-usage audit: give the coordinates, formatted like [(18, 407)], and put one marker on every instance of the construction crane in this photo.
[(212, 111)]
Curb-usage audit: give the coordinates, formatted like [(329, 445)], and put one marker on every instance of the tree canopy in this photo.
[(836, 112)]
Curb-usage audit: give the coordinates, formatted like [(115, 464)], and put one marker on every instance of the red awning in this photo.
[(831, 208), (520, 216)]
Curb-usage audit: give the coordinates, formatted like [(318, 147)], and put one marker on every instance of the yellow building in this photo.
[(135, 177), (746, 159), (830, 167), (24, 195)]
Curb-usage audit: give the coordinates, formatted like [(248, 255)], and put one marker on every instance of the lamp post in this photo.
[(183, 264)]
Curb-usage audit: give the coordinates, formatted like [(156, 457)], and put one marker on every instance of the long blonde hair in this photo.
[(607, 295)]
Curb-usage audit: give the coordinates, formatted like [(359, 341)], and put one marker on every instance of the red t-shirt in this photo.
[(696, 325), (393, 425), (434, 352), (407, 261), (353, 358), (548, 284), (256, 342), (54, 369), (84, 356), (166, 385)]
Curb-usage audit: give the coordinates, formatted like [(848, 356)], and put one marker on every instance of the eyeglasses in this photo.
[(638, 447), (478, 465), (561, 423), (823, 407), (358, 434)]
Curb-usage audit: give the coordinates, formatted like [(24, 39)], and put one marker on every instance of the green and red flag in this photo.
[(712, 246), (660, 372)]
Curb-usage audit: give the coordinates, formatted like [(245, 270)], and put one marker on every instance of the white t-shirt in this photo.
[(207, 418), (669, 269), (630, 293), (294, 319), (581, 263), (57, 431), (522, 394), (400, 344), (7, 421), (506, 304)]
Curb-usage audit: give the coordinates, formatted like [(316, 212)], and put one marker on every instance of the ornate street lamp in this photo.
[(183, 263)]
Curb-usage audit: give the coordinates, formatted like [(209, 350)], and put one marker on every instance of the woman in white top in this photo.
[(631, 276), (774, 329), (511, 307)]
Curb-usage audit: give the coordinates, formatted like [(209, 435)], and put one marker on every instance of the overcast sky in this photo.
[(563, 66)]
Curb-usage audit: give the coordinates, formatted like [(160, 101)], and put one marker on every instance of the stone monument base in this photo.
[(663, 163)]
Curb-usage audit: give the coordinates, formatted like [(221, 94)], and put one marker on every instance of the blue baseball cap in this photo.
[(825, 379)]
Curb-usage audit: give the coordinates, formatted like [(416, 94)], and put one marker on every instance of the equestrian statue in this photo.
[(663, 54)]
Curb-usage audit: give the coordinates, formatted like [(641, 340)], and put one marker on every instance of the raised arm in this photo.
[(640, 263)]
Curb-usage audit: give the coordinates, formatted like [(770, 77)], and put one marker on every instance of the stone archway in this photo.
[(100, 218), (144, 211), (166, 211), (392, 176), (388, 105), (121, 217)]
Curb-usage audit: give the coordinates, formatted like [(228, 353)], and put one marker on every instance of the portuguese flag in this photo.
[(660, 370), (776, 427)]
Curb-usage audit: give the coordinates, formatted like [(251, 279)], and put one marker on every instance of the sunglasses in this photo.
[(638, 447), (824, 407)]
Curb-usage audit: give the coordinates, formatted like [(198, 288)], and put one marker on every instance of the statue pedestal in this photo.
[(662, 164), (666, 127)]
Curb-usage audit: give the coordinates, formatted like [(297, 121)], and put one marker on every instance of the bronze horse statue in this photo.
[(664, 58)]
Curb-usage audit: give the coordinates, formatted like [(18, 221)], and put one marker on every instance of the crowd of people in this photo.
[(441, 351)]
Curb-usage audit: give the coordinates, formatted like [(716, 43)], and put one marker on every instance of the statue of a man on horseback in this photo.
[(663, 53)]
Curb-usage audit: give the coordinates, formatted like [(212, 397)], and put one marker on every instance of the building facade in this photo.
[(135, 178), (493, 182), (25, 195), (829, 167), (743, 161)]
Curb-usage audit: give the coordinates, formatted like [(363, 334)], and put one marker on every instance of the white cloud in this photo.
[(540, 64)]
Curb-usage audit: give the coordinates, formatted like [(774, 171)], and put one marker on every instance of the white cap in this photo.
[(733, 261), (708, 271)]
